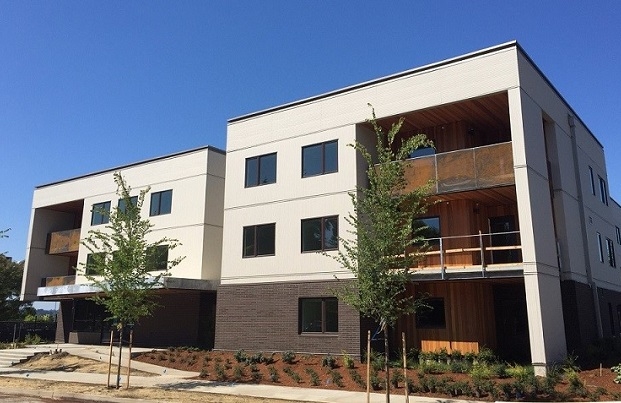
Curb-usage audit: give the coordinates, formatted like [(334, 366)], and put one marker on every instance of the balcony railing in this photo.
[(481, 251), (468, 169), (64, 241), (59, 281)]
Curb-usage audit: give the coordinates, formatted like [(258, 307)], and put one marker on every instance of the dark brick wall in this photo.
[(64, 320), (264, 317), (578, 314)]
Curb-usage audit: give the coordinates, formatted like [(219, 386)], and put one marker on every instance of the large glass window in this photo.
[(427, 229), (432, 316), (259, 240), (320, 159), (319, 234), (122, 207), (161, 203), (157, 258), (93, 263), (610, 250), (318, 315), (603, 191), (260, 170), (101, 213)]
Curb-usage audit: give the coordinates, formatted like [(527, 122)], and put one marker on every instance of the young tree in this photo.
[(124, 265), (382, 251), (11, 274)]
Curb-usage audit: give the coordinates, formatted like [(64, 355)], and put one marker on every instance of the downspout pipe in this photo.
[(585, 245)]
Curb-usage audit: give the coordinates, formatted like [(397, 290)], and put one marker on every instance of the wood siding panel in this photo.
[(64, 241), (469, 313)]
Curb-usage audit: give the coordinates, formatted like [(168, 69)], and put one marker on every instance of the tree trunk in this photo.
[(386, 367), (110, 355), (129, 361), (118, 369)]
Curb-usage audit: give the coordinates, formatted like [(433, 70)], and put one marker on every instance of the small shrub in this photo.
[(442, 355), (206, 358), (456, 355), (348, 361), (433, 367), (617, 370), (459, 367), (328, 361), (576, 386), (377, 360), (288, 357), (203, 374), (396, 377), (32, 339), (314, 377), (470, 356), (238, 372), (274, 375), (357, 378), (375, 381), (220, 372), (172, 359), (161, 357), (240, 356), (255, 374), (337, 378), (269, 360), (486, 355), (292, 374), (499, 370), (257, 358)]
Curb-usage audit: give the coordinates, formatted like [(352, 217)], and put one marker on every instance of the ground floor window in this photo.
[(432, 316), (318, 315)]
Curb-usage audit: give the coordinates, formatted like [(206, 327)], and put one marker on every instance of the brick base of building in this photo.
[(265, 317)]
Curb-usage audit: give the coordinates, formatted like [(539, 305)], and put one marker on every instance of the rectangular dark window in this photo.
[(618, 233), (157, 258), (320, 159), (427, 229), (101, 213), (318, 315), (599, 247), (592, 180), (603, 191), (319, 234), (93, 263), (432, 316), (259, 240), (610, 251), (161, 203), (121, 206), (261, 170)]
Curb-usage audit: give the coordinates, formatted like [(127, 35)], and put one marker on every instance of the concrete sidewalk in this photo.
[(179, 380)]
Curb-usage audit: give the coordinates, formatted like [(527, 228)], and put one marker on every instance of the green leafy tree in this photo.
[(11, 273), (383, 248), (122, 261)]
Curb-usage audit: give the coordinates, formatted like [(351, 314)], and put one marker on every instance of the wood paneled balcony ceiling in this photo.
[(64, 242)]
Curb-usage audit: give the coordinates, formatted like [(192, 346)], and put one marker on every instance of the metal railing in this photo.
[(492, 249)]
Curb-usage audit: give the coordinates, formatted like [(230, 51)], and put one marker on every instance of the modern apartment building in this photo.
[(185, 202), (522, 229)]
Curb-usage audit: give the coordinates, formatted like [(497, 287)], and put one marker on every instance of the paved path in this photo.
[(175, 379)]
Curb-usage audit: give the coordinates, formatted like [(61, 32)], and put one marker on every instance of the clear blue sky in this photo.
[(86, 86)]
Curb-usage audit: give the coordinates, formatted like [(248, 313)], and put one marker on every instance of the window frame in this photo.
[(324, 170), (432, 242), (122, 208), (433, 323), (96, 212), (592, 178), (158, 210), (603, 190), (149, 260), (89, 258), (257, 181), (600, 247), (255, 247), (325, 311), (618, 234), (610, 252), (323, 220)]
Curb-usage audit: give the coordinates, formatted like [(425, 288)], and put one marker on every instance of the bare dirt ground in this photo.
[(69, 363)]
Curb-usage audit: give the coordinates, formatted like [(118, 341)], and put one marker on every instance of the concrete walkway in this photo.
[(174, 379)]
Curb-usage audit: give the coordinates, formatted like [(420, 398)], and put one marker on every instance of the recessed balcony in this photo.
[(64, 242), (58, 281)]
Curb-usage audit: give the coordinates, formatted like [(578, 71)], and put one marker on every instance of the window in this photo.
[(121, 206), (599, 247), (618, 233), (318, 315), (603, 191), (610, 251), (259, 240), (93, 261), (157, 258), (161, 203), (101, 213), (319, 234), (261, 170), (433, 316), (428, 229), (592, 181), (422, 152), (320, 159)]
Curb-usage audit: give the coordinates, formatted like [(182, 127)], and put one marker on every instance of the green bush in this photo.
[(337, 378), (348, 361), (32, 339), (288, 357), (356, 377), (328, 361), (314, 377), (274, 375), (238, 372)]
